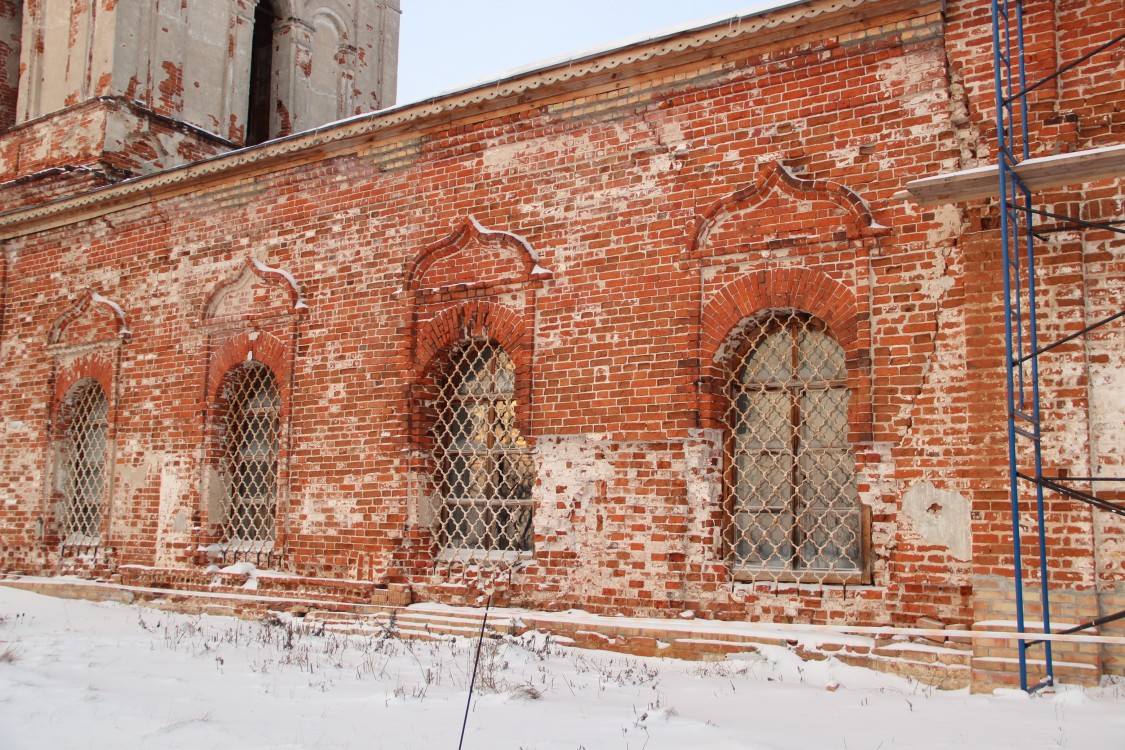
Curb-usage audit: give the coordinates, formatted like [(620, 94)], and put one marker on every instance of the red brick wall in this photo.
[(1082, 435), (639, 223)]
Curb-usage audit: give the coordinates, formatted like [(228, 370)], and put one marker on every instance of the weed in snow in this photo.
[(524, 667)]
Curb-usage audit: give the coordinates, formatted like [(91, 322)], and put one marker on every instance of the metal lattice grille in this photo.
[(793, 510), (249, 455), (84, 463), (485, 468)]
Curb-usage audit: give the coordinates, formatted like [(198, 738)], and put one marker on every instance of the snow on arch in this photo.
[(469, 237), (84, 305), (255, 269)]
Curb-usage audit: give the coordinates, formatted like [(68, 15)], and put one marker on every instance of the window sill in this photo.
[(750, 576), (239, 546), (485, 556), (84, 541)]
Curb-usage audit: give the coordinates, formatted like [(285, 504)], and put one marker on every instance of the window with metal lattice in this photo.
[(84, 458), (483, 464), (248, 461), (792, 508)]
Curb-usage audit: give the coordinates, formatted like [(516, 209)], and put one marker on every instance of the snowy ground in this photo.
[(80, 675)]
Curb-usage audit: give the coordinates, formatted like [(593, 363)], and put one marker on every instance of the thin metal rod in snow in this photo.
[(473, 678)]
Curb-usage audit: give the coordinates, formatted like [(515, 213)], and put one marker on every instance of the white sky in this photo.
[(447, 43)]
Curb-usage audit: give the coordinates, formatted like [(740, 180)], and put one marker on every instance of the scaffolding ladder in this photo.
[(1020, 230)]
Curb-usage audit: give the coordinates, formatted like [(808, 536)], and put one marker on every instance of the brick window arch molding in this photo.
[(85, 343)]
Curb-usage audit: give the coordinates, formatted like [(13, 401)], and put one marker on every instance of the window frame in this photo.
[(449, 400), (753, 332), (231, 470), (73, 401)]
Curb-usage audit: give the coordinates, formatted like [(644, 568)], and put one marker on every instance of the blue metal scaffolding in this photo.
[(1020, 229)]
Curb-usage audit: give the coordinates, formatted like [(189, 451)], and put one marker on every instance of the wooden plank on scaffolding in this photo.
[(1040, 173)]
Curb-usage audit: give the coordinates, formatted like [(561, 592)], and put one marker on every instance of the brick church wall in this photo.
[(611, 234)]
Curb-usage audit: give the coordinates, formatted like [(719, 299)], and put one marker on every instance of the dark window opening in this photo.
[(10, 31), (261, 76)]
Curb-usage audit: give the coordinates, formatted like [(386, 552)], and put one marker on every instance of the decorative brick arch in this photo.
[(251, 345), (282, 8), (240, 325), (97, 366), (467, 232), (331, 15), (86, 305), (803, 289), (255, 269), (85, 343), (452, 287), (773, 177)]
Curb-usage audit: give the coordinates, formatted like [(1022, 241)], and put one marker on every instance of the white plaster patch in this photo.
[(172, 488), (213, 493), (941, 517), (1107, 404)]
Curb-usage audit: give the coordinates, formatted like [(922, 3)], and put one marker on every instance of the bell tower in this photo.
[(107, 89)]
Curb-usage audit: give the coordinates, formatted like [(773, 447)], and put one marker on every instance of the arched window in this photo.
[(484, 467), (85, 445), (249, 436), (259, 105), (11, 30), (792, 506)]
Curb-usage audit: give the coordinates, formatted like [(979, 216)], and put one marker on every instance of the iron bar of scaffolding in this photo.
[(1021, 372), (1018, 236)]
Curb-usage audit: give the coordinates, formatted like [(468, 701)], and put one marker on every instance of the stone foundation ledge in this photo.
[(250, 580), (194, 594), (366, 608)]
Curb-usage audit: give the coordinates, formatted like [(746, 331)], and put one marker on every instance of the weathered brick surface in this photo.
[(611, 232), (88, 145)]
